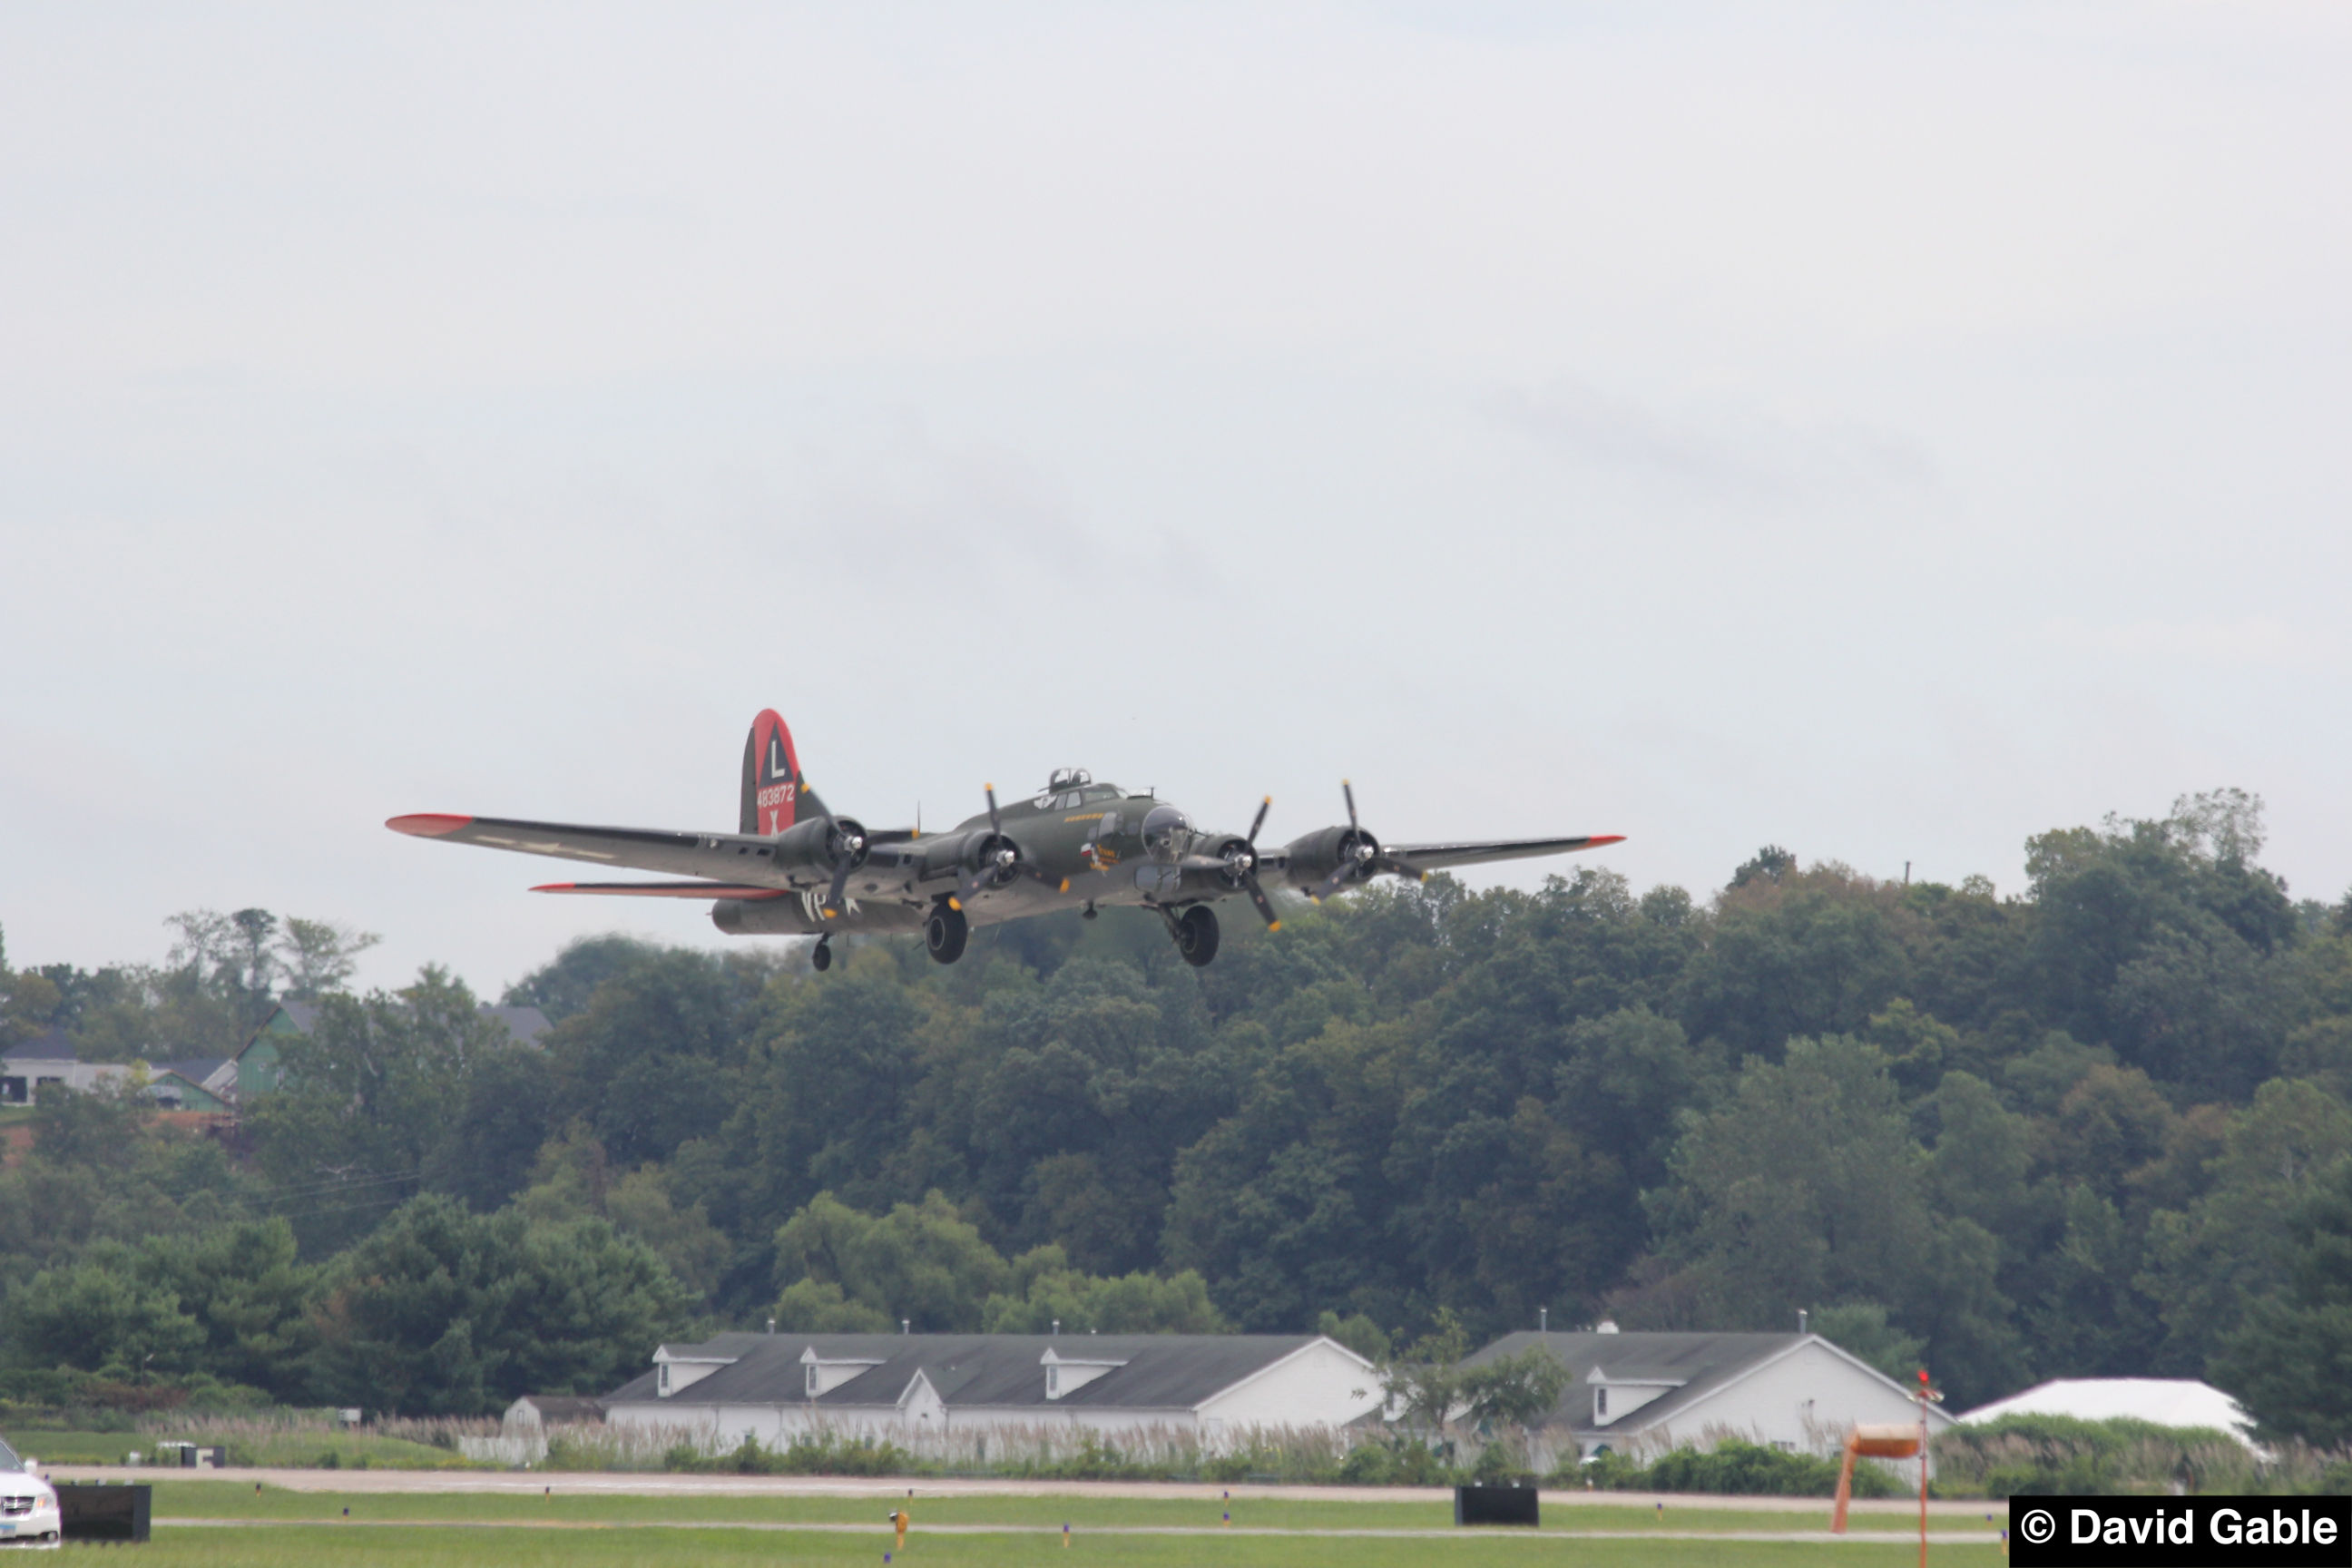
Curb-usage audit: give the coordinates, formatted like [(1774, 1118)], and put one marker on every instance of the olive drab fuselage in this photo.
[(1086, 842)]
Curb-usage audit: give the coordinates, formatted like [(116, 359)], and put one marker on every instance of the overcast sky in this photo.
[(1887, 432)]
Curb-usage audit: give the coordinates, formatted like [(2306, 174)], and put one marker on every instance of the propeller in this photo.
[(997, 861), (1238, 866), (1360, 857), (845, 840), (1244, 862), (994, 862)]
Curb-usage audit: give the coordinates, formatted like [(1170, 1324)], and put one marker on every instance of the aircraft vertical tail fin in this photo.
[(775, 795)]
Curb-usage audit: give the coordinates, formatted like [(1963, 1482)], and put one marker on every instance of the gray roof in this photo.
[(1700, 1363), (49, 1046), (1162, 1371), (196, 1069), (301, 1015), (564, 1407)]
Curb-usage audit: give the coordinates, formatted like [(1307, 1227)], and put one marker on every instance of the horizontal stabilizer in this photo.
[(663, 889)]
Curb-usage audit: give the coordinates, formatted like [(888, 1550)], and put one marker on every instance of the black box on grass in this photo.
[(1513, 1504), (91, 1510)]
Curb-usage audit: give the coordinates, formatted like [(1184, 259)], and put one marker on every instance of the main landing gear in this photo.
[(946, 933), (1195, 931), (822, 959)]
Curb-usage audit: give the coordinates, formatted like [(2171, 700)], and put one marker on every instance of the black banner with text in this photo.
[(2158, 1531)]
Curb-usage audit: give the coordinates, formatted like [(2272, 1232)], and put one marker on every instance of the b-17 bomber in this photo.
[(796, 868)]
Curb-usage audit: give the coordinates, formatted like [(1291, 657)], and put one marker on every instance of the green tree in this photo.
[(922, 1262), (28, 1004), (566, 986), (1515, 1392), (1808, 953), (1358, 1332), (1283, 1205), (2291, 1361), (1045, 1290), (443, 1311), (1860, 1330), (1806, 1185), (572, 1180), (655, 1059), (96, 1315), (831, 1103), (363, 1112), (2234, 1244), (316, 957), (1423, 1385), (1983, 1156)]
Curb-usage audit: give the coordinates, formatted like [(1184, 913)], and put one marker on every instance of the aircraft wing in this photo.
[(1441, 857), (717, 856)]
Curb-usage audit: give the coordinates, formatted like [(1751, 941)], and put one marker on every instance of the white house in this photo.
[(47, 1061), (909, 1387), (1645, 1392)]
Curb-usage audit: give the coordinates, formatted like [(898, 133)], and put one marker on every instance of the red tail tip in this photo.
[(1600, 838), (427, 823)]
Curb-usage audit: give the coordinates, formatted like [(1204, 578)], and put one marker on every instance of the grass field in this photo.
[(282, 1526), (305, 1450), (333, 1547)]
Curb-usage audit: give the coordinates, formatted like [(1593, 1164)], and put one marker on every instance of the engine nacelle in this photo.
[(807, 851), (1311, 860), (1235, 852), (972, 850)]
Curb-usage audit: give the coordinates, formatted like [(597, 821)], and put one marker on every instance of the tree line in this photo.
[(2100, 1126)]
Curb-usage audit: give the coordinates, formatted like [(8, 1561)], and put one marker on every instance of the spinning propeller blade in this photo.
[(1360, 855)]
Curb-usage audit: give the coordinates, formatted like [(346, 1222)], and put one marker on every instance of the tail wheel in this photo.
[(945, 933), (822, 959), (1196, 935)]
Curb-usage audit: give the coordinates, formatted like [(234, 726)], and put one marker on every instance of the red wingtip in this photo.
[(555, 886), (427, 823), (1600, 838)]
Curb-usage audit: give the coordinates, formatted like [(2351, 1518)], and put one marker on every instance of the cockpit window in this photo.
[(1166, 832), (1105, 791)]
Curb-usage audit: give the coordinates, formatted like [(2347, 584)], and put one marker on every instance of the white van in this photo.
[(28, 1505)]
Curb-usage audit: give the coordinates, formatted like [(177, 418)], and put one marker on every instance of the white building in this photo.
[(48, 1062), (1642, 1394), (2160, 1401), (911, 1387)]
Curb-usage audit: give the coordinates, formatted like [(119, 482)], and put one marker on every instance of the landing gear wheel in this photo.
[(822, 959), (1196, 935), (945, 933)]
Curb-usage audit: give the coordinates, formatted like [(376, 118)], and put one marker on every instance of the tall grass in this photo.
[(2018, 1455), (2052, 1455), (299, 1438), (1042, 1451)]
